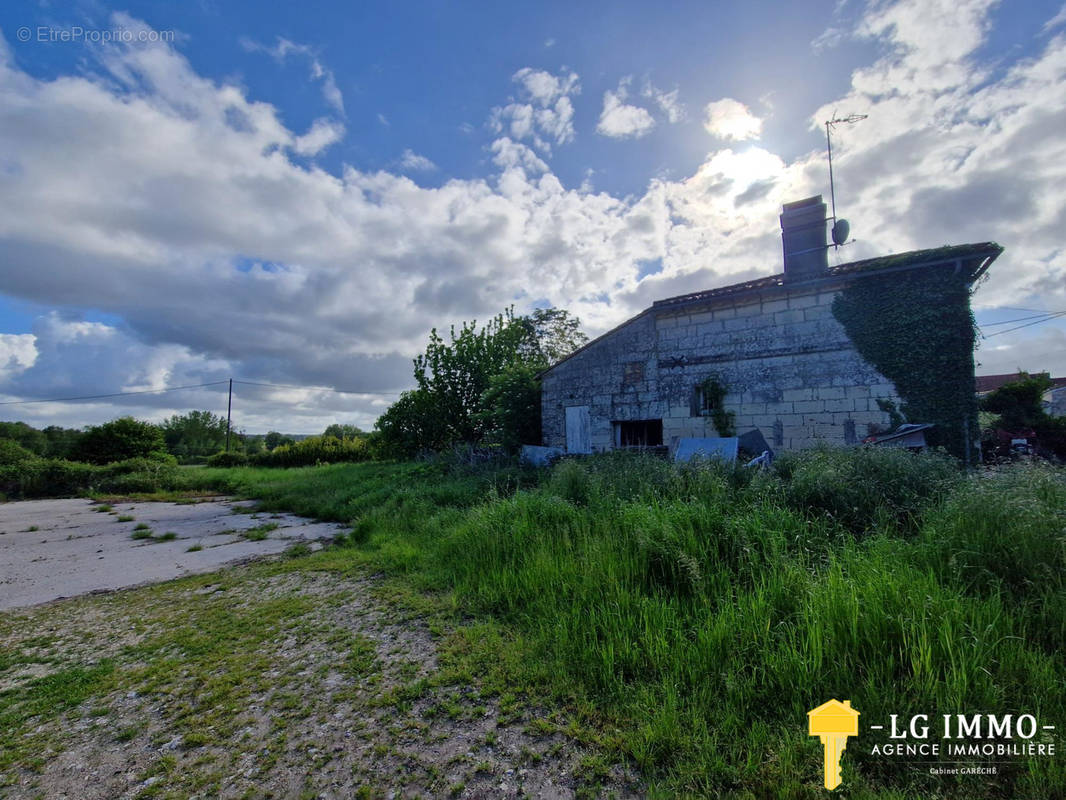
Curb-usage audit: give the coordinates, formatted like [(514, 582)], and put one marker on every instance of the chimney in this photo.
[(803, 237)]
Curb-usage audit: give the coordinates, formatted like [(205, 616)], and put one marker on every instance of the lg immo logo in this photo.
[(956, 744), (833, 723)]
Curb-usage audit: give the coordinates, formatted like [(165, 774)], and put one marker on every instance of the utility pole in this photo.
[(229, 412)]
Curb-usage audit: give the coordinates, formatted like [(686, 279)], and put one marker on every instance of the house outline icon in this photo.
[(831, 716)]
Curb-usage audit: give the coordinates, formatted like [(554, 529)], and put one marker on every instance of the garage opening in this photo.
[(638, 433)]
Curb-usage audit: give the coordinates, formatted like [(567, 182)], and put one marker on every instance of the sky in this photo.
[(295, 194)]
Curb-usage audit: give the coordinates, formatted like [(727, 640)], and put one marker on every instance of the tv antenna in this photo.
[(841, 229)]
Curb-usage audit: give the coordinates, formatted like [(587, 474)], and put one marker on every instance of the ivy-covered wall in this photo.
[(917, 329)]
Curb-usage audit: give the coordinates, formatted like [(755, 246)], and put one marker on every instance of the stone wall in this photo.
[(787, 364)]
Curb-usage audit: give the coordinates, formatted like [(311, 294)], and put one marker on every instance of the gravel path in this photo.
[(51, 549)]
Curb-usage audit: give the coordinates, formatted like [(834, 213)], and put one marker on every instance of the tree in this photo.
[(453, 402), (61, 441), (121, 439), (25, 435), (511, 407), (411, 425), (343, 431), (553, 335), (1019, 404), (456, 374), (198, 433), (275, 439)]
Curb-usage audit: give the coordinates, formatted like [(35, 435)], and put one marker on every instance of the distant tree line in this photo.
[(478, 387)]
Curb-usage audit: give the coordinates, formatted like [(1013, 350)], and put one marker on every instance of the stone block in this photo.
[(737, 324), (779, 408), (788, 317), (808, 406), (829, 393), (839, 405), (797, 394), (770, 306), (803, 301)]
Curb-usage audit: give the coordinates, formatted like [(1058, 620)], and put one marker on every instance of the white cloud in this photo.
[(173, 203), (543, 111), (18, 352), (731, 120), (511, 155), (318, 71), (668, 102), (410, 160), (1055, 21), (620, 120), (323, 133)]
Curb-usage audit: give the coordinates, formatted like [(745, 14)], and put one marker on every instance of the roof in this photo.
[(907, 429), (834, 707), (989, 383), (974, 258)]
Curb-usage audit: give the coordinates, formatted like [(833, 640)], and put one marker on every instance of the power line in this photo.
[(1028, 324), (1048, 315), (115, 394), (312, 388), (180, 388), (1031, 310)]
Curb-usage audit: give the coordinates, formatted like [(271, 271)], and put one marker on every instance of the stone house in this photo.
[(768, 354)]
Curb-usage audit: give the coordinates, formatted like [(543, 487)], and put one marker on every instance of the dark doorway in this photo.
[(639, 433)]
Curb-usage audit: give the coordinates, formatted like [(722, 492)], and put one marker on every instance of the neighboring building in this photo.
[(1054, 397), (771, 352)]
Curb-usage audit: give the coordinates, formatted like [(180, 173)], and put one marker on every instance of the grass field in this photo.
[(686, 619)]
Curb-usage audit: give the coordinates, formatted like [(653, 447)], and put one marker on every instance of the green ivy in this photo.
[(918, 330), (714, 392)]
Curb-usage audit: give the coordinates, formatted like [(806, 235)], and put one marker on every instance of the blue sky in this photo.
[(297, 193)]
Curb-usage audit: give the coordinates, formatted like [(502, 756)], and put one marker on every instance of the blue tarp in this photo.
[(725, 449)]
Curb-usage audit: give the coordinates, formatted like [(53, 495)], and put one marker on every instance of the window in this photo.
[(633, 374), (639, 433), (707, 398)]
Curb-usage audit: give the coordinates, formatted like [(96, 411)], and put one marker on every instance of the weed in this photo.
[(141, 533), (169, 536), (141, 526), (297, 550), (196, 548), (259, 533), (102, 508), (125, 518)]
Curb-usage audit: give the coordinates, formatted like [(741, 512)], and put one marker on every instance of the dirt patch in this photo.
[(249, 684)]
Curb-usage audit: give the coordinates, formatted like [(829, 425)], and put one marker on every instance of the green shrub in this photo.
[(314, 450), (122, 439), (225, 459), (12, 453)]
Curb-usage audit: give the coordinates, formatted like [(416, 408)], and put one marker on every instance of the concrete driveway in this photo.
[(61, 548)]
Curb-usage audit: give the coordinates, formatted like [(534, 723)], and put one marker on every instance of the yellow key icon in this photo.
[(833, 722)]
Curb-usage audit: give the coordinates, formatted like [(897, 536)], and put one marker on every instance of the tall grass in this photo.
[(705, 610)]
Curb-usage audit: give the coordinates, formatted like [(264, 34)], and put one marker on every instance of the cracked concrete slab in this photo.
[(62, 548)]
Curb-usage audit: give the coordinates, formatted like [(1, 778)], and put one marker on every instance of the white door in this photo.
[(578, 430)]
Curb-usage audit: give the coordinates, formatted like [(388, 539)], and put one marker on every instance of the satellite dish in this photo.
[(841, 229)]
